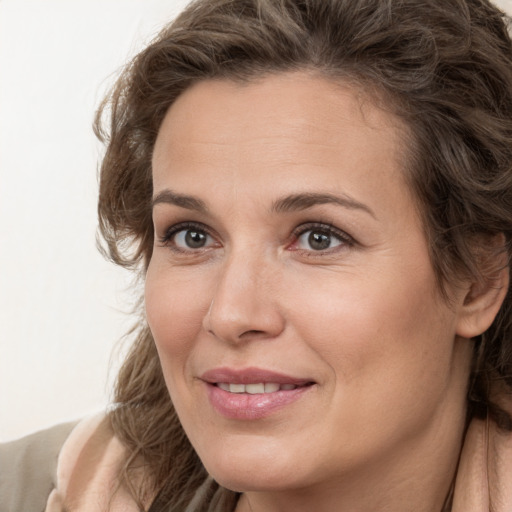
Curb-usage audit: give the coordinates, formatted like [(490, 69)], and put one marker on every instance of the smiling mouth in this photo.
[(252, 393), (258, 388)]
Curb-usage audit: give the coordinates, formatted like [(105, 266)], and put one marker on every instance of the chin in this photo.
[(246, 469), (249, 481)]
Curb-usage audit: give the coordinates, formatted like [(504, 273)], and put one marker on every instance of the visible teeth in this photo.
[(271, 388), (237, 388), (257, 388), (254, 389)]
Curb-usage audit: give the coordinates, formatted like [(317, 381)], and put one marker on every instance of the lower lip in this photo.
[(244, 406)]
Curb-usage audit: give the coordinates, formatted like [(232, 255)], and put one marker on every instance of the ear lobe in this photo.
[(483, 300)]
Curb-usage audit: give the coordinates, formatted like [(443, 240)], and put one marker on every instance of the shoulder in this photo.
[(28, 468), (72, 467), (88, 469)]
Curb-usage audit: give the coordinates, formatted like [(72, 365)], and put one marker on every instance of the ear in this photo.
[(484, 297)]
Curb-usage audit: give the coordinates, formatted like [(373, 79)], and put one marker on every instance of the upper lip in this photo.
[(250, 376)]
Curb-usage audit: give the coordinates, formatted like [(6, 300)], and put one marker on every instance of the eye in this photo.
[(320, 238), (187, 237), (191, 239), (317, 240)]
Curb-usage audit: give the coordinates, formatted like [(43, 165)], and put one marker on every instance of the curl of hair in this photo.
[(444, 66)]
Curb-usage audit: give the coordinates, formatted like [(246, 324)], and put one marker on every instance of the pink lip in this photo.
[(250, 376), (244, 406)]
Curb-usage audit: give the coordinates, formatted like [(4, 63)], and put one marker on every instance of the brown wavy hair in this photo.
[(443, 66)]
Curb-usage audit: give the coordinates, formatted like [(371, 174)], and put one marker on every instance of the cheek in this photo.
[(175, 307), (390, 326), (388, 346)]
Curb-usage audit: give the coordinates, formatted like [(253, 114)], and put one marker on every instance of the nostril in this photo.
[(252, 334)]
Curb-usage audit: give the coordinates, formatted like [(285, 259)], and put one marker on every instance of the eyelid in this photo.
[(345, 239), (329, 229), (171, 231)]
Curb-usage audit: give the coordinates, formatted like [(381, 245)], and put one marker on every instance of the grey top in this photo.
[(27, 469)]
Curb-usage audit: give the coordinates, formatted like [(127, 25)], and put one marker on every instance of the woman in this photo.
[(317, 196)]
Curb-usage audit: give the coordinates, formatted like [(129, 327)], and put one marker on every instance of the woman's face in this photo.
[(290, 292)]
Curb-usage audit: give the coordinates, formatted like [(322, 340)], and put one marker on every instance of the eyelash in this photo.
[(170, 233), (323, 228), (327, 229)]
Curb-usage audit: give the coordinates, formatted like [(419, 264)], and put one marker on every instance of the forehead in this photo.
[(280, 122)]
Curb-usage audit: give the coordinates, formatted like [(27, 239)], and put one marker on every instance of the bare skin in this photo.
[(286, 239)]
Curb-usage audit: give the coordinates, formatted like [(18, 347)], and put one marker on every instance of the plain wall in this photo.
[(62, 307)]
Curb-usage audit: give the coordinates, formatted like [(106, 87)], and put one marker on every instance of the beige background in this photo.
[(61, 305)]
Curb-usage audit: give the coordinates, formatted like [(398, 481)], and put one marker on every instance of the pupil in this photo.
[(319, 241), (195, 239)]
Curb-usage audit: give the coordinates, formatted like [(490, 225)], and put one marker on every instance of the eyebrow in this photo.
[(183, 201), (291, 203), (297, 202)]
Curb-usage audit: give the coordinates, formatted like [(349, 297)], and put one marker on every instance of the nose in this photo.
[(245, 302)]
